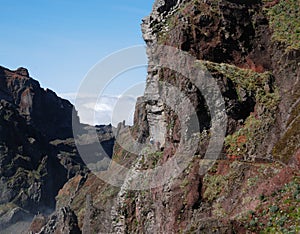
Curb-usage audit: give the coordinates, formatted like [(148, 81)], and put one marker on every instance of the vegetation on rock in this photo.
[(284, 20)]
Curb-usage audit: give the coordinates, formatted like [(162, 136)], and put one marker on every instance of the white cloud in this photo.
[(105, 110)]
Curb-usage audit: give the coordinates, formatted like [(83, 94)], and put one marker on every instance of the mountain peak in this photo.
[(22, 71)]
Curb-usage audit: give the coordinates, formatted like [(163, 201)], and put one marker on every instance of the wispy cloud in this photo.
[(104, 110)]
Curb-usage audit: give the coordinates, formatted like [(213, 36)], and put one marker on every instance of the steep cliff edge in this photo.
[(38, 154), (41, 108), (251, 50)]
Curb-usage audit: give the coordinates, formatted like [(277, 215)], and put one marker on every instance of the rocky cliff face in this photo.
[(41, 108), (38, 154), (251, 50), (256, 66)]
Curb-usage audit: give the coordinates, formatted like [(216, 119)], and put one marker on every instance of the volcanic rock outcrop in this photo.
[(251, 50), (38, 154)]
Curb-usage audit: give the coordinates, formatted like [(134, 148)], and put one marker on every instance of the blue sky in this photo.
[(59, 41)]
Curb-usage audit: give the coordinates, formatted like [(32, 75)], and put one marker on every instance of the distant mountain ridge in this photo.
[(42, 108), (38, 154)]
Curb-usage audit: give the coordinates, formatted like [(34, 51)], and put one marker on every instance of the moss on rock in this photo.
[(284, 20)]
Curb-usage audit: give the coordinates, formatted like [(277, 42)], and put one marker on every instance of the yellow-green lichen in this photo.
[(214, 185), (285, 21)]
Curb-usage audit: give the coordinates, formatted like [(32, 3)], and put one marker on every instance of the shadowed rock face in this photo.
[(31, 172), (27, 161), (38, 154), (64, 221), (43, 109)]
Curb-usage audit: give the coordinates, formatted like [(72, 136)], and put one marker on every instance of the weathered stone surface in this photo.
[(63, 222), (232, 39), (42, 108), (253, 187), (38, 154)]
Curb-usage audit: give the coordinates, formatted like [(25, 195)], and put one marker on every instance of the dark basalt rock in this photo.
[(22, 71), (38, 154), (43, 109), (63, 222)]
